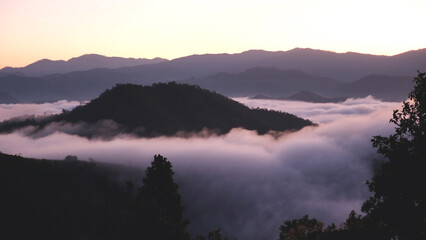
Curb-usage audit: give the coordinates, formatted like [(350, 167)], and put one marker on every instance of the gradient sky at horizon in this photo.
[(62, 29)]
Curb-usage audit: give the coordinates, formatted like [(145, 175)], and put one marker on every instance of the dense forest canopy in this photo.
[(163, 109), (73, 199)]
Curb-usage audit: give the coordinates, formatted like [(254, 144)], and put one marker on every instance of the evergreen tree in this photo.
[(160, 203), (299, 229), (399, 187)]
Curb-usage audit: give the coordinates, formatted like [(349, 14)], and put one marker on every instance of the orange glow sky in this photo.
[(60, 29)]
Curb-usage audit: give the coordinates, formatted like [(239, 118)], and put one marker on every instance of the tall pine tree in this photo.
[(160, 203)]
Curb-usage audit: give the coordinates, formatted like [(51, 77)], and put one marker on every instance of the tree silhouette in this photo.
[(354, 222), (303, 228), (160, 203), (213, 235), (399, 187)]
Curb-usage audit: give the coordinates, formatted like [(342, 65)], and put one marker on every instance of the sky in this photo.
[(61, 29), (244, 183)]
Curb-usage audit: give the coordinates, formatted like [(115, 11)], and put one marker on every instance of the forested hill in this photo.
[(167, 109), (45, 199)]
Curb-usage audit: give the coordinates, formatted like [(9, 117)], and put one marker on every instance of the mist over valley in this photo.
[(254, 138), (218, 120), (241, 179)]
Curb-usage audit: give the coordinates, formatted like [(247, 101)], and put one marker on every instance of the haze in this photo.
[(33, 30), (242, 182)]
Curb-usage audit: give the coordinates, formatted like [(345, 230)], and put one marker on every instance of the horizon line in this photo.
[(219, 53)]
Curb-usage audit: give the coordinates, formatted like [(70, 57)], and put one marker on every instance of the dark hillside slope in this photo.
[(170, 108), (165, 109), (45, 199)]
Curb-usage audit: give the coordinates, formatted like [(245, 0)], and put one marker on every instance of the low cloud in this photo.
[(323, 112), (8, 111), (245, 183)]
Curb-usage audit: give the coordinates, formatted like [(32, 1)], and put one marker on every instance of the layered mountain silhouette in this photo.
[(304, 96), (341, 66), (160, 109), (328, 67), (6, 98), (82, 63), (392, 88), (266, 80), (72, 86)]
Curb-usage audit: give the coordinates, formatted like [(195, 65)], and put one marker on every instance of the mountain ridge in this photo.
[(164, 109), (81, 63), (304, 96), (7, 98), (388, 88), (265, 80), (306, 59), (344, 67)]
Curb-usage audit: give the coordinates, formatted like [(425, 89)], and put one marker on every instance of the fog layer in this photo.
[(15, 110), (245, 183)]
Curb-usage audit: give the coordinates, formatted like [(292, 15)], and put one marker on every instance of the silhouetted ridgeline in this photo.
[(392, 88), (315, 64), (81, 63), (72, 199), (266, 80), (304, 96), (44, 199), (162, 109), (6, 98)]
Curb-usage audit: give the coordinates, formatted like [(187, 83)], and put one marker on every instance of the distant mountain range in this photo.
[(392, 88), (6, 98), (277, 83), (345, 67), (244, 74), (304, 96), (82, 63), (161, 109), (265, 80)]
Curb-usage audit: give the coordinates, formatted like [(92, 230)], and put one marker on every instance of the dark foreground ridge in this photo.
[(162, 109), (43, 199), (72, 199)]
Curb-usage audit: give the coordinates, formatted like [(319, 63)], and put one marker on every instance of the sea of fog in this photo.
[(244, 183)]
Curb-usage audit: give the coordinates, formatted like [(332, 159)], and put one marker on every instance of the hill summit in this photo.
[(166, 109)]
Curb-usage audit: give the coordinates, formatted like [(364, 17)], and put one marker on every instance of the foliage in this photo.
[(160, 203), (46, 199), (353, 222), (354, 228), (399, 187), (166, 109), (71, 158), (303, 228)]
